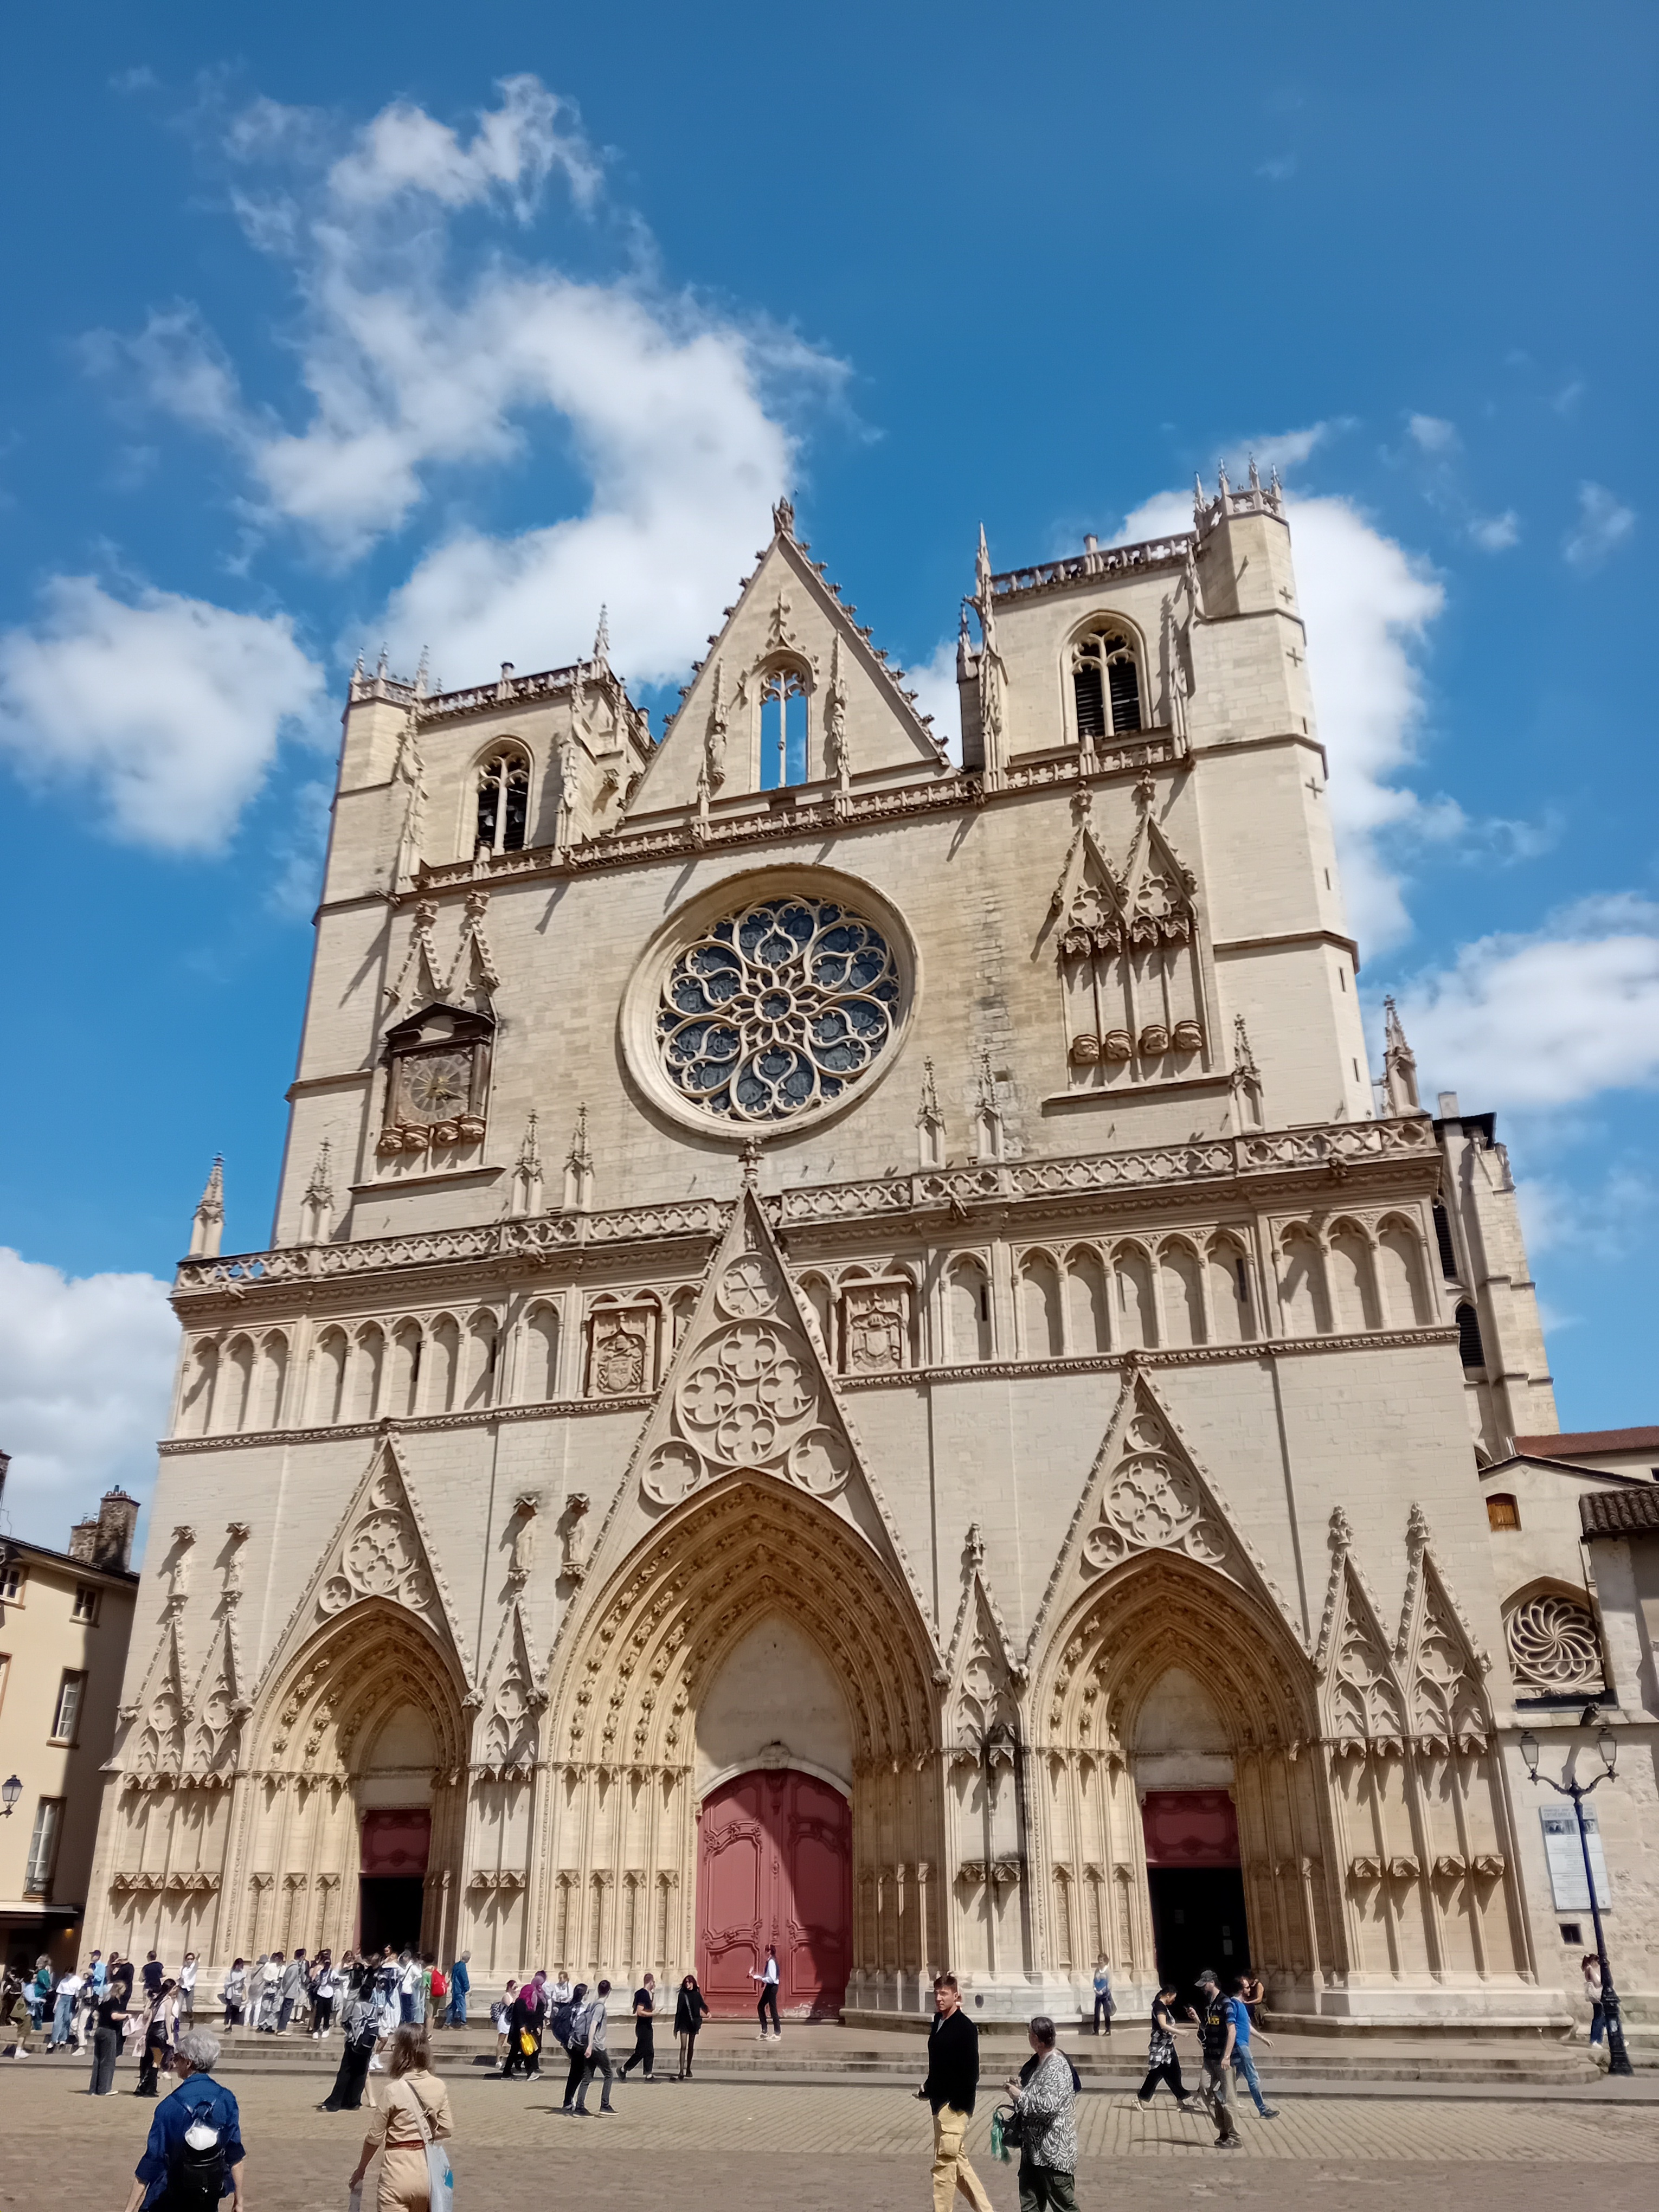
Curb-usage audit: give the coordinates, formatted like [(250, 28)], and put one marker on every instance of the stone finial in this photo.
[(208, 1223), (579, 1168), (783, 517), (602, 637), (317, 1204), (1399, 1065), (1341, 1532)]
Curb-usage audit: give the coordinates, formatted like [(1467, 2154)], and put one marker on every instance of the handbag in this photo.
[(1008, 2131), (441, 2175), (526, 2043)]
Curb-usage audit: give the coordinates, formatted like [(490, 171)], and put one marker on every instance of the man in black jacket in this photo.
[(951, 2085)]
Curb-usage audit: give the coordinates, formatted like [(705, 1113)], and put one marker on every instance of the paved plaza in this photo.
[(720, 2144)]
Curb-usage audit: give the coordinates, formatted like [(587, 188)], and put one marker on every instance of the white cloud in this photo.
[(513, 150), (1607, 1220), (1540, 1022), (1432, 432), (1604, 524), (86, 1376), (934, 683), (1496, 534), (170, 709), (1278, 169)]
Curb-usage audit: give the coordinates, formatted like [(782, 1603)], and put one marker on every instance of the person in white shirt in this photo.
[(767, 1980), (186, 1991), (63, 2014), (409, 1989)]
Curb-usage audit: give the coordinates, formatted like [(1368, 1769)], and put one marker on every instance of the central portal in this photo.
[(774, 1865), (1197, 1888)]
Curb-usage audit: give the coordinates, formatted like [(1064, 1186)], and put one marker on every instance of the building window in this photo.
[(11, 1583), (1553, 1645), (783, 729), (1105, 685), (86, 1603), (1502, 1511), (1572, 1933), (68, 1713), (1442, 1237), (503, 801), (1470, 1350), (43, 1846)]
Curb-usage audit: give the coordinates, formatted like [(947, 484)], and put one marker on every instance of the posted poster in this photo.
[(1566, 1859)]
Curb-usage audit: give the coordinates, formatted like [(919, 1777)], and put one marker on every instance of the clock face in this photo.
[(437, 1086)]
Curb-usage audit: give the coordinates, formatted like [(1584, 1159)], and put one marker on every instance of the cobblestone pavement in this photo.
[(709, 2147)]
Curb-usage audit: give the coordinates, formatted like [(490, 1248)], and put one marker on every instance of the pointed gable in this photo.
[(859, 719)]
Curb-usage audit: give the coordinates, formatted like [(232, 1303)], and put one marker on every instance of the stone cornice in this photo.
[(412, 1425), (1307, 1167)]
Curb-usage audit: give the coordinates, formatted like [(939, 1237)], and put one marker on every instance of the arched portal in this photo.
[(659, 1704), (1181, 1724), (360, 1760), (775, 1869)]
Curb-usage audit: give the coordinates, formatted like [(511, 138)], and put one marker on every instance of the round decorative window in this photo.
[(770, 1003), (1552, 1642)]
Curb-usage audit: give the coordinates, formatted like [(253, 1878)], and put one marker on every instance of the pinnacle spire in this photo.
[(602, 637), (208, 1223), (1399, 1064)]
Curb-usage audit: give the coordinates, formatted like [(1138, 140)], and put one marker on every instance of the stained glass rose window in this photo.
[(776, 1009)]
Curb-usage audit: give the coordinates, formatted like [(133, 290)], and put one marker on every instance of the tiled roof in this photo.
[(1629, 1512), (1583, 1443)]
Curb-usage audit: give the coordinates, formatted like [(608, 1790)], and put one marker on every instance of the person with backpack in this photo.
[(570, 2026), (595, 2052), (1218, 2034), (414, 2113), (360, 2027), (194, 2155), (437, 1996), (524, 2031), (691, 2010), (232, 1996)]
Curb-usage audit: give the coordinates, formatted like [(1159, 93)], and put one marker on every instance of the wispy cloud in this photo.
[(1496, 534), (1604, 526), (1433, 433), (1278, 169)]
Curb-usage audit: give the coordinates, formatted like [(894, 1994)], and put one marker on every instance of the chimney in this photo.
[(106, 1543)]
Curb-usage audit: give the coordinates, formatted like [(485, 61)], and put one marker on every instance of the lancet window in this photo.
[(783, 728), (503, 801), (1105, 682)]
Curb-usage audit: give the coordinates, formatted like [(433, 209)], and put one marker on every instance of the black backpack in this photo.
[(197, 2179), (563, 2023)]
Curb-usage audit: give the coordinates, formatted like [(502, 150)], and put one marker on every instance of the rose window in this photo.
[(1554, 1644), (777, 1009)]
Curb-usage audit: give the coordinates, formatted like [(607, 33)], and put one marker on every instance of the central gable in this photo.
[(788, 636)]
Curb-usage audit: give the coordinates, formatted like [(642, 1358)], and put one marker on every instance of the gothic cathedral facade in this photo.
[(849, 1356)]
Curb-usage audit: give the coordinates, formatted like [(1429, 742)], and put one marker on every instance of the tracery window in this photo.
[(1470, 1349), (1105, 683), (1554, 1644), (503, 800), (783, 728), (777, 1008)]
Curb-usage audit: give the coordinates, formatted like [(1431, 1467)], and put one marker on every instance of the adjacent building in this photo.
[(851, 1357), (65, 1621)]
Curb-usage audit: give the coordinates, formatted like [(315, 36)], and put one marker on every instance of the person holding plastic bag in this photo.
[(410, 2124)]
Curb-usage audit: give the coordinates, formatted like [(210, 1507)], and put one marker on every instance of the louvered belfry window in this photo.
[(1105, 683)]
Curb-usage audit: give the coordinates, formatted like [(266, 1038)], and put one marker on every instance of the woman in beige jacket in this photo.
[(412, 2109)]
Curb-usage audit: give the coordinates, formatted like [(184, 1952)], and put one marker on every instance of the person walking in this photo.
[(1045, 2097), (570, 2034), (63, 2013), (414, 2112), (1244, 2057), (232, 1994), (194, 2154), (768, 1978), (1216, 2033), (691, 2010), (596, 2052), (1163, 2060), (109, 2016), (1103, 2006), (12, 2009), (40, 1991), (644, 2053), (953, 2084), (501, 2019), (157, 2031), (186, 1978), (153, 1976), (460, 1988), (438, 1996), (1590, 1967), (1255, 1996), (267, 1993), (524, 2031), (121, 1972), (359, 2031)]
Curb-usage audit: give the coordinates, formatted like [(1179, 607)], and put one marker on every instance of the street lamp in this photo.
[(1606, 1744), (10, 1791)]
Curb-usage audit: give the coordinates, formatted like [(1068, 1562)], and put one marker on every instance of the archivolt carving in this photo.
[(350, 1675), (669, 1616)]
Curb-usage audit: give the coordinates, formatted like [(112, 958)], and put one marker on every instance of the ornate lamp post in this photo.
[(1607, 1743), (10, 1791)]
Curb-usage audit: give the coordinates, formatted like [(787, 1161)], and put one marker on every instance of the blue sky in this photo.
[(331, 325)]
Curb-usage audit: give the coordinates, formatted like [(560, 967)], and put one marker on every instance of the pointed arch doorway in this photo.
[(774, 1866)]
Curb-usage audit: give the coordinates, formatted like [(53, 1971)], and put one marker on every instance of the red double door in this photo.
[(774, 1865)]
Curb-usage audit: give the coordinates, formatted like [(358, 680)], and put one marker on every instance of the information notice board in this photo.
[(1566, 1858)]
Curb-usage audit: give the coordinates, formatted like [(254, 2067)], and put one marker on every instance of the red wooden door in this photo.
[(774, 1864)]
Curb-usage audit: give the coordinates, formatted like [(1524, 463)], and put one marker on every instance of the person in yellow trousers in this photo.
[(951, 2085)]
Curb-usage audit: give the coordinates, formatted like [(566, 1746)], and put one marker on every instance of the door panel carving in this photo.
[(774, 1865)]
